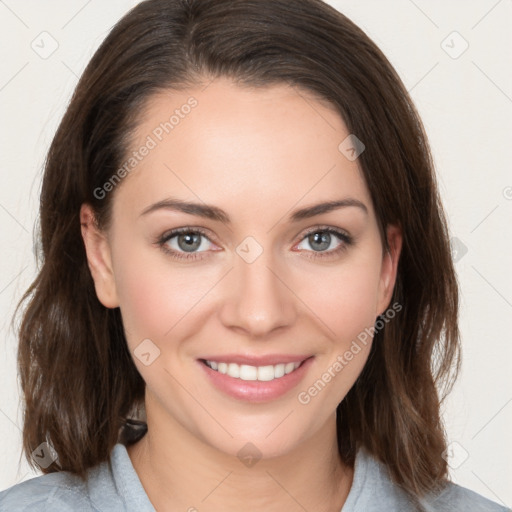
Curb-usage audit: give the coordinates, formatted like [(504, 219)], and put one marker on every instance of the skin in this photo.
[(258, 154)]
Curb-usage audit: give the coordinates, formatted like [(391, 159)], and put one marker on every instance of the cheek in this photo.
[(156, 298), (344, 298), (346, 307)]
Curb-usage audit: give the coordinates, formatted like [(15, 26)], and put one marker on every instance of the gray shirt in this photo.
[(114, 486)]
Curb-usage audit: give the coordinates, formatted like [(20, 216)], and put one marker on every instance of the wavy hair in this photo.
[(79, 382)]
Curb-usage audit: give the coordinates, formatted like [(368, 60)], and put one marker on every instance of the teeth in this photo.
[(246, 372), (233, 370)]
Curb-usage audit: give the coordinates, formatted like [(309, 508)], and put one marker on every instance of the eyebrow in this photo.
[(217, 214)]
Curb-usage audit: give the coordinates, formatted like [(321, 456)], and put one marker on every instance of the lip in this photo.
[(256, 391), (253, 360)]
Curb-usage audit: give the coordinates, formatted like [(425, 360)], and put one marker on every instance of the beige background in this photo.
[(465, 99)]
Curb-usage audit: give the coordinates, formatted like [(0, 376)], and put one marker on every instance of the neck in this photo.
[(181, 472)]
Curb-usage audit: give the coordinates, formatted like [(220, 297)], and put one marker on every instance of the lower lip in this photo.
[(256, 390)]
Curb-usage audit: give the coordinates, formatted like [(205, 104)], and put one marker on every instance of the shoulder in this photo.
[(455, 497), (55, 491), (373, 490), (112, 485)]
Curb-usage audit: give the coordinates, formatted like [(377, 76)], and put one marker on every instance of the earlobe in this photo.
[(389, 268), (99, 258)]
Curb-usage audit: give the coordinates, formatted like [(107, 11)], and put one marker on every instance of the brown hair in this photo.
[(79, 382)]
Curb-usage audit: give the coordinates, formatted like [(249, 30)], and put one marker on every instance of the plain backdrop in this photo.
[(454, 58)]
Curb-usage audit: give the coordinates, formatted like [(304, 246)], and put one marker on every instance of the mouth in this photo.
[(272, 378), (247, 372)]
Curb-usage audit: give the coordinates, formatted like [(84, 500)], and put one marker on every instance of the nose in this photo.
[(258, 300)]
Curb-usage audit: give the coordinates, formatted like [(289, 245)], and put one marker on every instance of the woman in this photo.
[(246, 276)]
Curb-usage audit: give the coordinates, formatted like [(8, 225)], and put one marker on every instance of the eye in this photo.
[(326, 241), (185, 243), (189, 243)]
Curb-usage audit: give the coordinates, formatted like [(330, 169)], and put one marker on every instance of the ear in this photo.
[(389, 268), (99, 258)]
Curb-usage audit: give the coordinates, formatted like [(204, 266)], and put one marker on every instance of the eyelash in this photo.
[(344, 237)]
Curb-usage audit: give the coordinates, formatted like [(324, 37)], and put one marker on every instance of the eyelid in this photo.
[(324, 227), (186, 229), (162, 240), (344, 237)]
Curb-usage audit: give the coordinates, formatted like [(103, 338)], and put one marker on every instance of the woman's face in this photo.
[(267, 282)]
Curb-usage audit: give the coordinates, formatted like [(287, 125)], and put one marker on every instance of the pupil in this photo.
[(192, 241), (323, 239)]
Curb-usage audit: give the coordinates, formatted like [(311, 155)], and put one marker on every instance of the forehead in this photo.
[(251, 150)]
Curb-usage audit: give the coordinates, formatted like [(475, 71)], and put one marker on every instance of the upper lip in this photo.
[(254, 360)]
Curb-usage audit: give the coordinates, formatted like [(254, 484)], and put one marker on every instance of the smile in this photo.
[(247, 372), (255, 378)]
